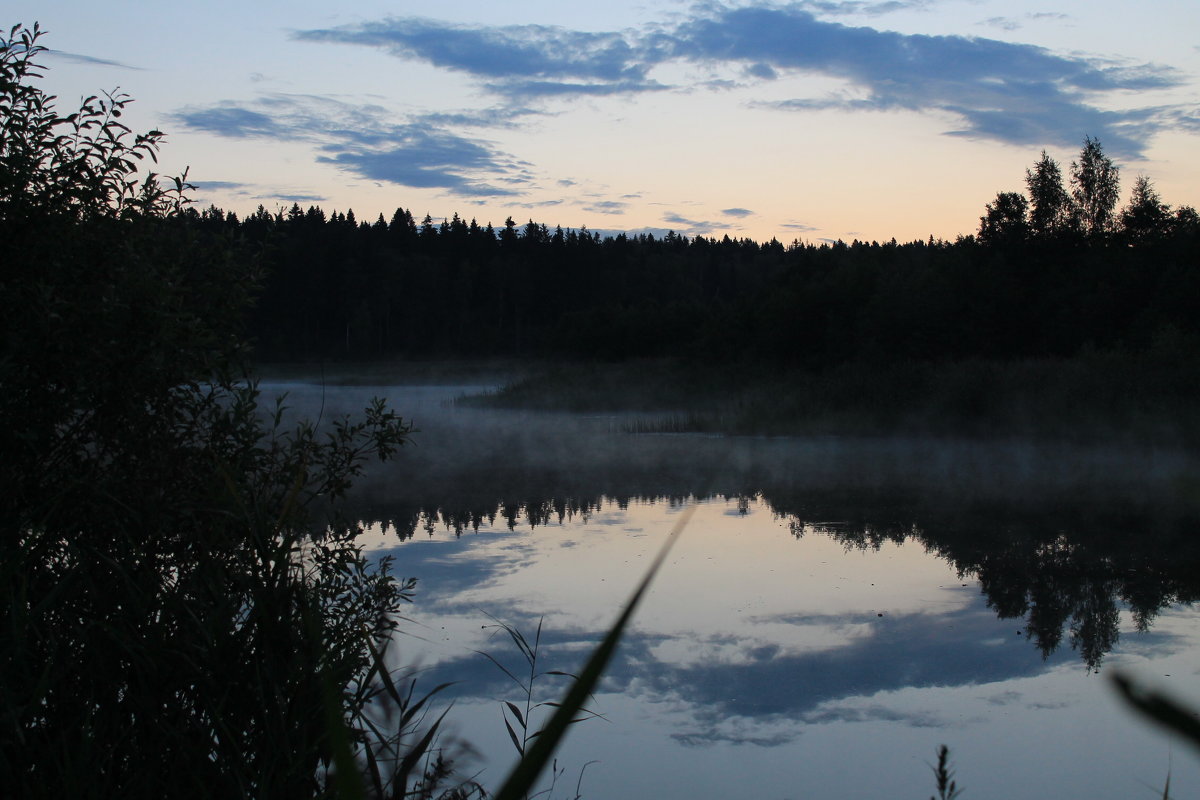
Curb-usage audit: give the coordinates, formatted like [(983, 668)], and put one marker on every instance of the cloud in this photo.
[(423, 159), (1009, 92), (256, 192), (231, 121), (692, 227), (606, 207), (208, 186), (90, 60), (858, 8), (293, 198), (1052, 15), (999, 91), (481, 118), (542, 203), (533, 89), (1003, 23), (364, 140), (539, 57), (737, 212), (1013, 24), (763, 71), (824, 685), (875, 713), (713, 736), (1004, 698)]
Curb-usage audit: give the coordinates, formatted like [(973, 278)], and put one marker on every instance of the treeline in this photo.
[(1047, 274)]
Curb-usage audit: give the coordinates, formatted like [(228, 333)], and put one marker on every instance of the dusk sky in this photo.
[(809, 120)]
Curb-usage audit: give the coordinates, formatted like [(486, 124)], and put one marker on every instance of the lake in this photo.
[(834, 610)]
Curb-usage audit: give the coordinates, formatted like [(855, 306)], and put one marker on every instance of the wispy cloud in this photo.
[(1050, 15), (534, 89), (690, 226), (208, 186), (606, 207), (364, 140), (855, 8), (1003, 23), (92, 61), (293, 198), (524, 59), (711, 736), (230, 120), (1001, 91), (875, 713), (1008, 92), (1013, 23), (257, 192), (737, 212)]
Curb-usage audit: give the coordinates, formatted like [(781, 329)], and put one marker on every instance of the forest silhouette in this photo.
[(1063, 315), (1049, 273)]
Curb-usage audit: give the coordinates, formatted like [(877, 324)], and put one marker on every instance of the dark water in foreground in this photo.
[(834, 610)]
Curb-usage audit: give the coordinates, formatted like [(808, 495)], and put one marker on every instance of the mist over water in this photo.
[(836, 609), (517, 455)]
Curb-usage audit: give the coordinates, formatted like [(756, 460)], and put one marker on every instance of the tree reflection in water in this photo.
[(1066, 573)]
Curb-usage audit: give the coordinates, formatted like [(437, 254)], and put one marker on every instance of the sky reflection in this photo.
[(754, 642)]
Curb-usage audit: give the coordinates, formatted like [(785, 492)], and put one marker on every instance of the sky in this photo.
[(814, 120)]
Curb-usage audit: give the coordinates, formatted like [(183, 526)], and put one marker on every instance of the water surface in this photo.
[(834, 610)]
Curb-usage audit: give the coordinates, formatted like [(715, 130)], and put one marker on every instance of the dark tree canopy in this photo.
[(1050, 208), (1095, 188), (1004, 220), (1146, 217), (182, 615)]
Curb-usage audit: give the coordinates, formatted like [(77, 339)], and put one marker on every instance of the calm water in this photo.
[(833, 611)]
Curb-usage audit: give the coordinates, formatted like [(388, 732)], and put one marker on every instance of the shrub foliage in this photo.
[(182, 614)]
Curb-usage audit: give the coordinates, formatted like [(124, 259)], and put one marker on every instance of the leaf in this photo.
[(513, 735), (411, 711), (502, 668), (418, 751), (516, 712)]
